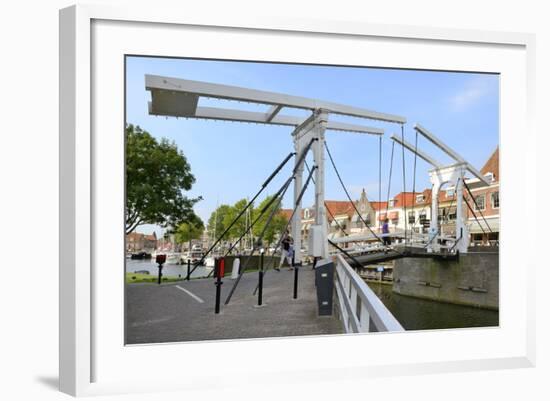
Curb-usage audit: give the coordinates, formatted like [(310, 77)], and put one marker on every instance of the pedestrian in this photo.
[(285, 249), (386, 232), (290, 254)]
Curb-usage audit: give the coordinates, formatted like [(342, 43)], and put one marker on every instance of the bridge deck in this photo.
[(168, 313), (402, 252)]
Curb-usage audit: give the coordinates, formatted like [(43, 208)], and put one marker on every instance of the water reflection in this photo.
[(420, 314)]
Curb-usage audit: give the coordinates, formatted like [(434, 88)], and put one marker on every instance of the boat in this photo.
[(140, 256), (173, 258), (195, 255)]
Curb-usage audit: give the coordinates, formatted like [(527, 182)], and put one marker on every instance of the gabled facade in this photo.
[(413, 211)]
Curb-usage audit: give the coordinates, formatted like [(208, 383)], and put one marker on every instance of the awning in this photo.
[(393, 215), (493, 224)]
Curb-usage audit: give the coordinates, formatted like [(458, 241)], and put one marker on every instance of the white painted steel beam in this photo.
[(420, 154), (437, 142), (272, 112), (215, 113), (164, 86)]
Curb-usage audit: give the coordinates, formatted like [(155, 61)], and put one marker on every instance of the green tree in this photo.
[(240, 225), (276, 225), (189, 230), (157, 173), (216, 225)]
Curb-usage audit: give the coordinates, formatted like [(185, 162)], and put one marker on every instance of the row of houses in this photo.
[(412, 211), (138, 242)]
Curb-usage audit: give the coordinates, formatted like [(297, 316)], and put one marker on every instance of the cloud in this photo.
[(470, 94)]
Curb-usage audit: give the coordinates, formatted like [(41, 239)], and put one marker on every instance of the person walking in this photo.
[(386, 232), (286, 243), (290, 254)]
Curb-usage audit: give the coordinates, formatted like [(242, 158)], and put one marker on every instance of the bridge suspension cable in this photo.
[(480, 212), (357, 263), (349, 197), (379, 174), (414, 175), (389, 178), (249, 227), (279, 196), (336, 221), (405, 217), (251, 202), (475, 216), (285, 228)]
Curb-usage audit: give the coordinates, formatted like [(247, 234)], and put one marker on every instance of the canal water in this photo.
[(180, 271), (421, 314)]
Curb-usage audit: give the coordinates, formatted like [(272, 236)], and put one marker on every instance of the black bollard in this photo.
[(261, 278), (219, 270), (160, 259), (188, 270), (295, 279), (160, 273)]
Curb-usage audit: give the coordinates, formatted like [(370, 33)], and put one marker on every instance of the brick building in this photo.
[(413, 210), (137, 242)]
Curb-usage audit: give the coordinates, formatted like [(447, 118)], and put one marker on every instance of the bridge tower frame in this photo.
[(313, 128), (453, 174)]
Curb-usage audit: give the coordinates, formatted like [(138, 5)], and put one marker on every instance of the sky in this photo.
[(231, 160)]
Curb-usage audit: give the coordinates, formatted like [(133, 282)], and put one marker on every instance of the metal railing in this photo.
[(361, 310)]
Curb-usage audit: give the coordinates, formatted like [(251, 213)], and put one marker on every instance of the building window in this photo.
[(450, 192), (392, 203), (419, 198), (412, 217), (495, 202), (306, 214), (422, 217), (480, 202), (441, 213), (452, 214), (490, 177)]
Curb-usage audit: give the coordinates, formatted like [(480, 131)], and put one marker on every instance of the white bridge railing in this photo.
[(361, 310)]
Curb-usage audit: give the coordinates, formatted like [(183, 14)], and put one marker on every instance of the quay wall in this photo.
[(473, 280), (254, 263)]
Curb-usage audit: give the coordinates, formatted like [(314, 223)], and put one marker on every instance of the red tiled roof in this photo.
[(378, 205), (286, 213), (339, 207), (404, 199), (410, 198)]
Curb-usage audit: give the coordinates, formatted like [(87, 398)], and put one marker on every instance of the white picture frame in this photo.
[(88, 366)]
